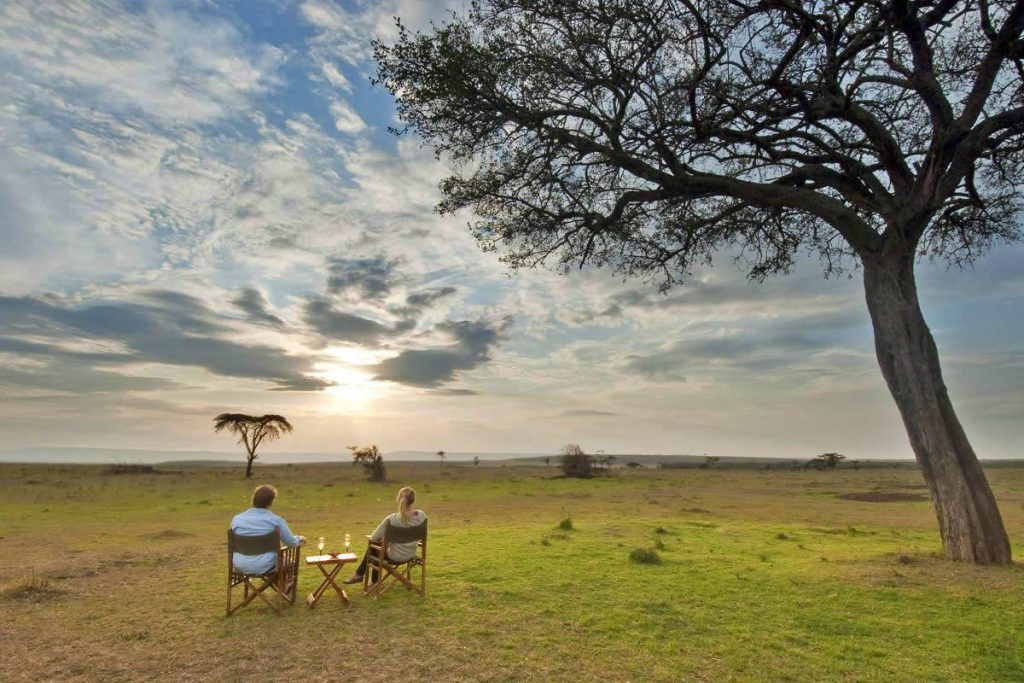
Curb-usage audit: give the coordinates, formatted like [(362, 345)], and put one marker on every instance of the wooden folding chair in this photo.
[(389, 573), (283, 579)]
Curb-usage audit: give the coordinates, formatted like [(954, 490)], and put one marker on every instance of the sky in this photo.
[(202, 211)]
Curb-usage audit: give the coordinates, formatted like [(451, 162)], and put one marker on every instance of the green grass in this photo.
[(763, 576)]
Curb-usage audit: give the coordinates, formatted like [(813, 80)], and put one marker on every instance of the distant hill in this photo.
[(104, 456)]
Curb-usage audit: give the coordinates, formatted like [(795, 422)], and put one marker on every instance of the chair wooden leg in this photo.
[(259, 593)]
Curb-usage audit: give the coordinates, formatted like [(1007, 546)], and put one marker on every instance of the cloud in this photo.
[(256, 307), (168, 65), (428, 298), (361, 279), (344, 327), (720, 292), (128, 115), (77, 378), (431, 368), (346, 120), (181, 332), (587, 413), (754, 348), (344, 29), (335, 77)]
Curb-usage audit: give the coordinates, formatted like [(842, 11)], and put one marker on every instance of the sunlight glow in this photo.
[(353, 387)]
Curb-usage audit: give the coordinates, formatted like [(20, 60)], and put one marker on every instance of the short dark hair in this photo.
[(263, 496)]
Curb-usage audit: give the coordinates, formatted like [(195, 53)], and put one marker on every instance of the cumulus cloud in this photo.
[(335, 77), (346, 120), (340, 326), (180, 332), (361, 279), (254, 304), (428, 298), (431, 368)]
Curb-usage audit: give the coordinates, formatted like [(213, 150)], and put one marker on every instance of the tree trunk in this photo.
[(969, 520), (248, 465)]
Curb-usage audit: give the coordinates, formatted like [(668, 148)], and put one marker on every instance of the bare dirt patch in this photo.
[(884, 497)]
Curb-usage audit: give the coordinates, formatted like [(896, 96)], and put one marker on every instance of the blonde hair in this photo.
[(405, 499)]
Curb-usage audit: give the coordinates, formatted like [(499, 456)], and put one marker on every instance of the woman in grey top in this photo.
[(406, 516)]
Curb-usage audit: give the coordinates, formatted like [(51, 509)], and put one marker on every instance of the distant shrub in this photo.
[(645, 556), (633, 465), (371, 460), (658, 545), (661, 530), (545, 541), (576, 463), (130, 468), (566, 524), (781, 536)]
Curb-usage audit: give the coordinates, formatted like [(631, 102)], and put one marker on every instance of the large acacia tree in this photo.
[(648, 135), (252, 430)]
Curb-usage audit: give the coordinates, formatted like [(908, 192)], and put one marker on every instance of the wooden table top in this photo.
[(331, 559)]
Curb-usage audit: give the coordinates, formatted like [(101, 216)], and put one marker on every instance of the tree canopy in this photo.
[(648, 135), (252, 431)]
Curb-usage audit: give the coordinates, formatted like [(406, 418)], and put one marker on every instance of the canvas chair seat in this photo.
[(389, 573), (283, 579)]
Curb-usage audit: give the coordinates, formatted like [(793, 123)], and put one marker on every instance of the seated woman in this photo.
[(406, 516)]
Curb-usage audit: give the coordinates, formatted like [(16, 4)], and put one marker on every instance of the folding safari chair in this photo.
[(382, 574), (283, 579)]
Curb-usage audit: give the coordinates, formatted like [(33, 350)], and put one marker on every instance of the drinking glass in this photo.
[(320, 545), (348, 541)]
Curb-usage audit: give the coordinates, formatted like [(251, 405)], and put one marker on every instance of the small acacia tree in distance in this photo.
[(576, 463), (371, 460), (830, 461), (252, 431), (476, 461), (442, 455)]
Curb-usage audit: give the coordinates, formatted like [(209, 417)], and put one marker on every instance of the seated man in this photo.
[(257, 521)]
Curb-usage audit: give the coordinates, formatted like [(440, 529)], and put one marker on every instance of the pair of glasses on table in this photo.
[(320, 543)]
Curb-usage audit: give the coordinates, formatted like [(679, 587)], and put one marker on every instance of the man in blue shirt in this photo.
[(257, 521)]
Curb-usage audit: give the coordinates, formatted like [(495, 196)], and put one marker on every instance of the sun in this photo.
[(353, 388)]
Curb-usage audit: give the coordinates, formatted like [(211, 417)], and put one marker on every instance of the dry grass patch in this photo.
[(884, 497), (29, 589)]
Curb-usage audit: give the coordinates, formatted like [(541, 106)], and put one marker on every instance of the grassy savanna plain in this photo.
[(764, 575)]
